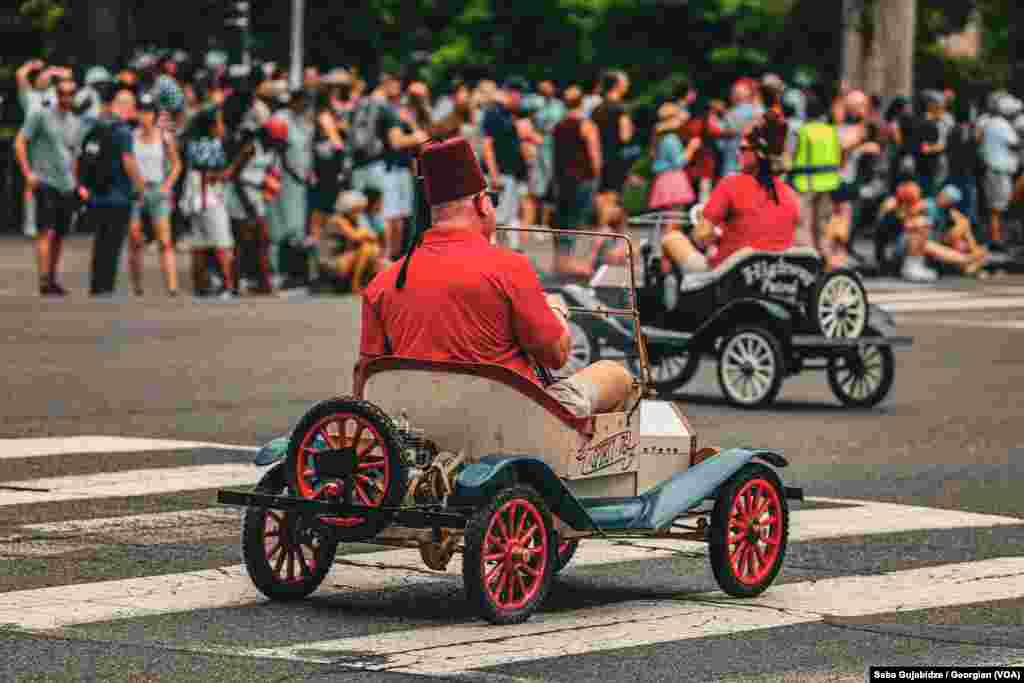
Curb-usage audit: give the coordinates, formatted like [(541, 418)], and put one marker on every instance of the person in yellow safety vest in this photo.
[(815, 175)]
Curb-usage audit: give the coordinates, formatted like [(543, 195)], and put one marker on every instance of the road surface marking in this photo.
[(891, 297), (145, 482), (67, 445), (965, 304), (230, 586), (459, 648), (987, 324)]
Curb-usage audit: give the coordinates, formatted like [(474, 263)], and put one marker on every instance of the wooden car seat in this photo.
[(478, 408)]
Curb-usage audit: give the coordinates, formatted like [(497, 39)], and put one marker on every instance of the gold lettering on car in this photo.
[(616, 450)]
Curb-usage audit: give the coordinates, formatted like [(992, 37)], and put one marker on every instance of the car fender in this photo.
[(881, 320), (273, 451), (776, 317), (673, 497), (479, 482)]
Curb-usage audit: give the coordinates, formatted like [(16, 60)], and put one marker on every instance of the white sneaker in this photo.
[(914, 270)]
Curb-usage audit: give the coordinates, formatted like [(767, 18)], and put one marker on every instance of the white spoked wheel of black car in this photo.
[(669, 372), (750, 367), (862, 377), (841, 306), (583, 349)]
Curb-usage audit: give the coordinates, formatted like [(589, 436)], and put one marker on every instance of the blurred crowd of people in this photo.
[(269, 186)]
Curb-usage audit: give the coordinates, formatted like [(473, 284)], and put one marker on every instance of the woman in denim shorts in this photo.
[(160, 165)]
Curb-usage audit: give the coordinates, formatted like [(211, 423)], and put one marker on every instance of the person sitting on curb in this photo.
[(909, 215), (357, 257)]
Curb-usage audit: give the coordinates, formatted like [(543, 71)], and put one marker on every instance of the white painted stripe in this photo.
[(461, 648), (65, 445), (930, 295), (985, 324), (230, 586), (995, 303), (145, 482), (148, 522)]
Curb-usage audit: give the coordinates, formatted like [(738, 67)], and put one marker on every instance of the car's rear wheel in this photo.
[(749, 531), (347, 450), (839, 306), (751, 367), (287, 555), (862, 377)]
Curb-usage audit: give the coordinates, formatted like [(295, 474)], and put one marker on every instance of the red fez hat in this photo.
[(450, 171)]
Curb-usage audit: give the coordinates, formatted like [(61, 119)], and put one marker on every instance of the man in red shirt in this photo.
[(754, 208), (464, 299)]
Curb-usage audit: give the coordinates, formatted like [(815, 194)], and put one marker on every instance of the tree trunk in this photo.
[(885, 65), (109, 30)]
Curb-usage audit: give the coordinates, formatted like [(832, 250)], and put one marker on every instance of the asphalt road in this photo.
[(949, 438)]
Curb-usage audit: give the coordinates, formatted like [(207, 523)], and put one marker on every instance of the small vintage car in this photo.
[(476, 459), (762, 315)]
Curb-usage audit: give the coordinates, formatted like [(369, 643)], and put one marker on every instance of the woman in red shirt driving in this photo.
[(754, 209)]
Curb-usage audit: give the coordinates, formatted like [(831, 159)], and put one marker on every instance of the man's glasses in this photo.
[(494, 195)]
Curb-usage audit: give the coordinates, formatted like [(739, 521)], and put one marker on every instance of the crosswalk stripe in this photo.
[(914, 295), (964, 304), (985, 324), (143, 482), (230, 587), (68, 445), (460, 648)]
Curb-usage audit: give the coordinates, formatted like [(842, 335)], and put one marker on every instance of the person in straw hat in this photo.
[(458, 297)]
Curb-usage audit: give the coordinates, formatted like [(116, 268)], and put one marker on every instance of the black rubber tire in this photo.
[(473, 558), (718, 549), (576, 329), (814, 308), (390, 443), (886, 365), (775, 382), (564, 556), (691, 365), (257, 564)]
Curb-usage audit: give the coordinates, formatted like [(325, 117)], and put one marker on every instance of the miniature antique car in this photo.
[(477, 459), (763, 315)]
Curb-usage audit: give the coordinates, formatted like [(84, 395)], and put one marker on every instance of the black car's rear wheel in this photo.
[(839, 306), (669, 371)]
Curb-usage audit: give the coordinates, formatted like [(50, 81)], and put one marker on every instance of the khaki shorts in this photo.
[(576, 394)]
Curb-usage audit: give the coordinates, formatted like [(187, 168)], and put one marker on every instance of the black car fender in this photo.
[(770, 315)]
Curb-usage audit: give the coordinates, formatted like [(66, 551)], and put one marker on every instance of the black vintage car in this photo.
[(763, 315)]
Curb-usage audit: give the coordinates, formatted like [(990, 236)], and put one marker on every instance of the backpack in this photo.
[(364, 139), (98, 161)]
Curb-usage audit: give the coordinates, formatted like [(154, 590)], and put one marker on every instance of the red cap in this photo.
[(276, 130), (450, 171)]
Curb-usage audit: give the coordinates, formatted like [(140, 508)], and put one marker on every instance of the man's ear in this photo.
[(478, 204)]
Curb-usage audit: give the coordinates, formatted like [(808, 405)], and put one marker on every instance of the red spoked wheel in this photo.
[(749, 531), (509, 556), (286, 554), (566, 550), (347, 450)]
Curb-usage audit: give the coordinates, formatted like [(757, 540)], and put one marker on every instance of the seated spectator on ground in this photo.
[(754, 209), (909, 223), (355, 258)]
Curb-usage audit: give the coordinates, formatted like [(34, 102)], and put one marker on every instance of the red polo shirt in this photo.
[(749, 217), (464, 300)]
